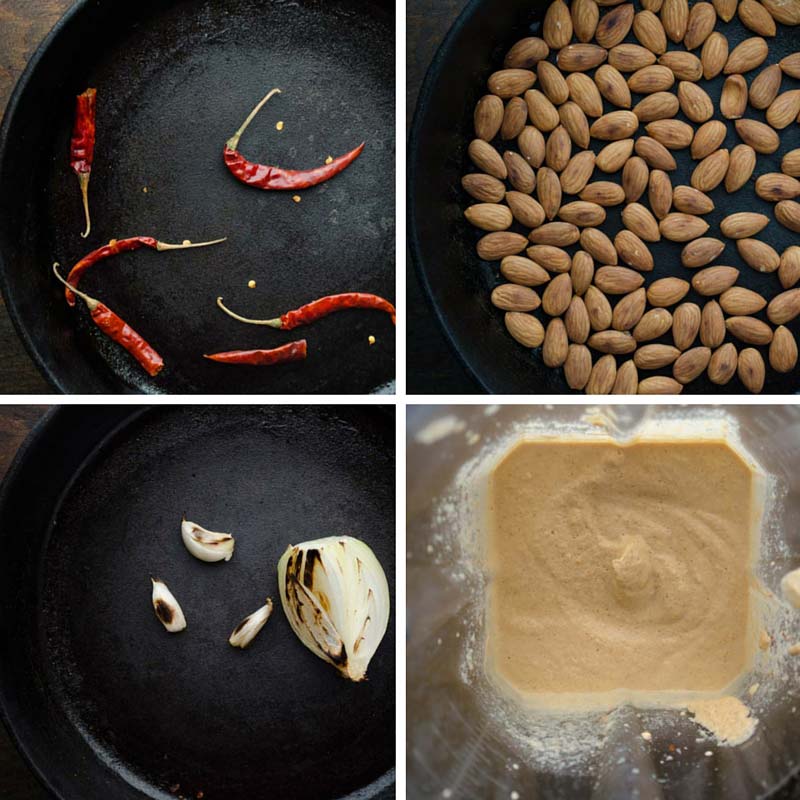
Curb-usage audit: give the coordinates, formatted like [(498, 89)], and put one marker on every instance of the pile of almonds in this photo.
[(549, 100)]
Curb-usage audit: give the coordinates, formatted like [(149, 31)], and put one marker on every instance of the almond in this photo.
[(628, 311), (511, 297), (489, 216), (577, 173), (552, 258), (637, 218), (660, 105), (543, 114), (526, 210), (725, 9), (749, 330), (514, 118), (630, 57), (617, 280), (755, 17), (714, 280), (686, 322), (653, 324), (585, 16), (791, 65), (743, 224), (691, 201), (483, 187), (740, 302), (675, 18), (712, 325), (714, 55), (711, 171), (614, 26), (558, 234), (708, 138), (616, 342), (790, 163), (552, 82), (555, 347), (599, 246), (655, 154), (598, 308), (742, 164), (758, 255), (604, 193), (784, 307), (789, 270), (787, 212), (695, 102), (558, 149), (765, 87), (733, 100), (627, 380), (672, 133), (526, 53), (584, 92), (666, 292), (581, 272), (783, 350), (722, 365), (650, 32), (784, 11), (613, 156), (486, 158), (495, 246), (532, 146), (784, 109), (659, 193), (603, 376), (750, 369), (659, 384), (520, 172), (633, 251), (747, 55), (556, 296), (508, 83), (679, 227), (701, 252), (576, 320), (634, 178), (557, 26), (578, 366), (525, 328), (548, 190), (684, 66), (702, 19), (583, 214), (488, 117), (612, 86), (577, 126), (615, 125), (691, 364), (521, 270), (655, 78), (655, 356)]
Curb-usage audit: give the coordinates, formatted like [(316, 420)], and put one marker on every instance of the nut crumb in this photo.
[(647, 736), (144, 189), (251, 284), (371, 340), (187, 241), (764, 640), (297, 198), (794, 650), (279, 125), (329, 160)]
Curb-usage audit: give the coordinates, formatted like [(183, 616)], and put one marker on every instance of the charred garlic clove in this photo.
[(248, 628), (167, 608), (336, 598), (206, 545)]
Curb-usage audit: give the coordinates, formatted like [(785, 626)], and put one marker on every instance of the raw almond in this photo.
[(650, 32), (758, 255), (679, 227), (701, 252), (702, 19), (785, 11), (616, 342), (790, 163), (613, 156), (684, 66), (514, 118), (712, 325), (743, 224), (655, 154), (789, 270), (627, 380), (584, 92), (747, 55), (765, 87), (489, 216), (585, 16), (603, 376), (637, 218), (695, 102), (486, 158), (784, 109), (613, 86), (521, 270), (655, 78), (784, 307), (576, 320), (691, 201), (672, 133), (557, 295), (558, 149), (725, 9), (598, 308), (581, 272), (750, 369), (686, 322), (722, 365), (483, 187), (543, 114), (655, 356), (659, 384), (630, 57), (558, 234), (628, 310), (714, 280), (583, 214), (714, 55), (708, 139), (660, 105), (790, 65), (711, 171), (526, 210), (548, 190), (557, 26), (733, 100), (599, 246), (552, 258), (488, 117), (783, 350), (495, 246), (604, 193), (653, 324), (615, 125), (525, 328), (576, 124), (675, 18), (577, 173), (634, 178), (552, 82), (511, 297), (520, 172), (749, 330), (667, 291), (740, 302), (692, 363), (556, 344), (659, 193), (578, 366), (614, 26), (633, 251), (507, 83), (755, 17), (741, 166), (617, 280), (526, 53), (787, 212), (532, 145)]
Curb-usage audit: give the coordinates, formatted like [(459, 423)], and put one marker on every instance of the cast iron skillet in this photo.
[(102, 702), (458, 283), (175, 79)]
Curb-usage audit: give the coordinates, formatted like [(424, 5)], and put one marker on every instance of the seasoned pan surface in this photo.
[(101, 700), (175, 80)]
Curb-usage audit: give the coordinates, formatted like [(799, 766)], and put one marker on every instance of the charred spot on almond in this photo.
[(164, 612)]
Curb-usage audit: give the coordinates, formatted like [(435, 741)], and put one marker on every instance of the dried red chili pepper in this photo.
[(294, 351), (263, 176), (82, 147), (119, 331), (121, 246), (317, 309)]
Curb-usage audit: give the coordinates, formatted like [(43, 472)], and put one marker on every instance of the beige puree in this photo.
[(620, 567)]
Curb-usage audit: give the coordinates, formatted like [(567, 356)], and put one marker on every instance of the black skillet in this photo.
[(458, 283), (175, 79), (101, 700)]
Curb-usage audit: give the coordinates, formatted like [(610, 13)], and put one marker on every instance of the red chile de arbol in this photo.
[(294, 351), (263, 176), (119, 331), (317, 309), (81, 149), (122, 246)]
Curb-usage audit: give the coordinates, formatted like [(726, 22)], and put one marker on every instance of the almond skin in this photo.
[(633, 251), (483, 187), (532, 146), (630, 57), (655, 154), (614, 126), (548, 191), (712, 325), (695, 102), (659, 193), (708, 139), (603, 376), (514, 118), (650, 32), (612, 157), (784, 109), (790, 163), (495, 246), (686, 323), (691, 364), (714, 55), (628, 310), (655, 356), (525, 328), (791, 65), (526, 210), (489, 216), (700, 252), (733, 101), (520, 172), (558, 149), (488, 117), (784, 307), (725, 9), (557, 295), (558, 234), (585, 16), (552, 82), (684, 66), (714, 280), (749, 330), (584, 92), (543, 114), (660, 105), (599, 246), (614, 26), (521, 270), (787, 212), (557, 27), (553, 259), (576, 124), (655, 78), (758, 135), (581, 272), (783, 350), (659, 384), (511, 297), (616, 342), (789, 270), (604, 193), (787, 13), (576, 321), (758, 255), (675, 19), (691, 201), (627, 380), (583, 214), (756, 18), (577, 366), (577, 172), (598, 308), (711, 171), (635, 175), (747, 55), (526, 53), (617, 280), (653, 324), (667, 292), (741, 166), (702, 19), (672, 133), (743, 224), (722, 364), (612, 86), (765, 87), (740, 302), (678, 227), (637, 218), (487, 159), (506, 83), (555, 347), (750, 369)]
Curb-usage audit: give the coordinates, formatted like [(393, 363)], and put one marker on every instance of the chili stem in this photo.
[(91, 303), (187, 245), (272, 323), (83, 179), (233, 142)]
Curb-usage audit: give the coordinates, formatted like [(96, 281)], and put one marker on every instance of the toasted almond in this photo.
[(581, 272), (616, 342), (691, 201), (659, 193), (686, 322), (722, 364), (783, 350), (557, 26), (543, 114), (523, 271), (558, 149), (584, 92), (483, 187), (691, 364), (755, 17), (603, 376), (583, 214), (555, 347), (695, 102), (512, 297), (488, 117), (507, 83), (747, 55), (525, 328), (526, 53), (750, 369), (585, 16), (740, 302), (557, 295), (574, 121), (598, 308), (655, 356), (745, 223), (520, 172), (514, 118), (675, 19), (630, 57), (627, 380), (612, 85), (790, 65), (741, 166), (702, 19), (604, 193), (558, 234), (708, 138), (784, 307), (615, 25), (532, 146), (615, 126), (655, 78), (634, 178), (599, 246), (552, 82), (577, 172), (667, 292), (552, 258), (655, 154), (712, 281), (712, 325), (733, 100), (660, 105), (654, 323), (679, 227), (701, 252), (784, 11), (684, 66), (489, 216), (659, 384), (749, 330), (617, 280), (633, 251), (787, 212), (486, 158), (784, 109), (758, 255), (650, 32), (672, 133), (497, 245), (711, 171), (790, 163), (714, 55), (725, 9), (765, 87), (576, 320), (628, 310), (548, 191), (613, 156), (526, 210), (637, 218), (578, 366), (789, 269)]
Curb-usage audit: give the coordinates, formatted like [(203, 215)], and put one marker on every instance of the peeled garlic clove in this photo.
[(248, 628), (206, 545), (167, 608), (336, 598)]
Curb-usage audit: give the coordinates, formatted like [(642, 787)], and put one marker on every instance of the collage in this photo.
[(400, 399)]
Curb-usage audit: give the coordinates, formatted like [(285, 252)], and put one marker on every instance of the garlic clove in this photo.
[(167, 608), (248, 628), (206, 545), (335, 595)]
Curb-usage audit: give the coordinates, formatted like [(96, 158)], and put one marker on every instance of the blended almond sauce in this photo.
[(621, 568)]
